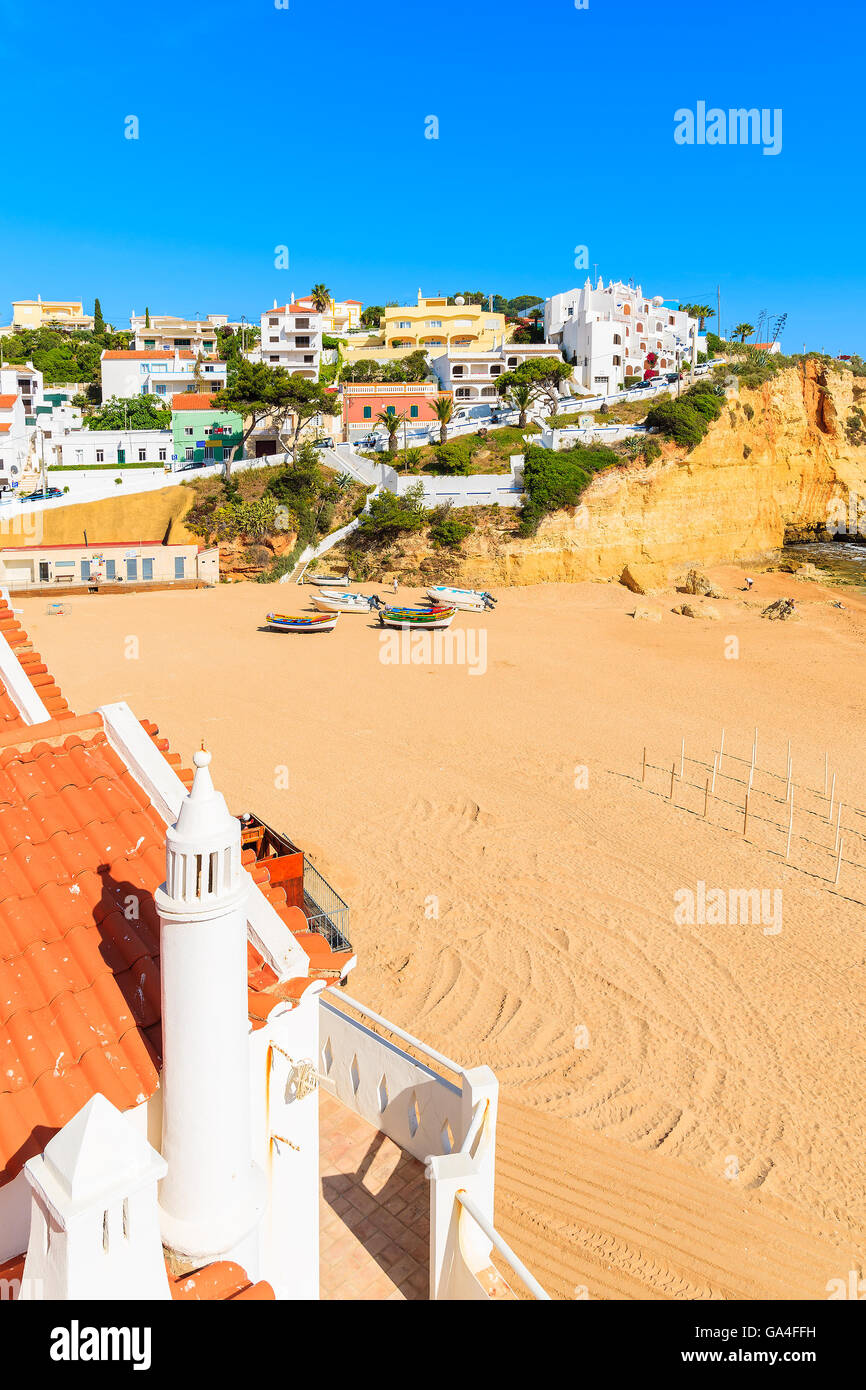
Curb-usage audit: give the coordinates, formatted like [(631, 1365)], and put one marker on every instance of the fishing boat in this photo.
[(425, 618), (470, 600), (328, 579), (307, 622), (347, 603)]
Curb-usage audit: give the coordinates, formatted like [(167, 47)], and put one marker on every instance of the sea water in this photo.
[(844, 560)]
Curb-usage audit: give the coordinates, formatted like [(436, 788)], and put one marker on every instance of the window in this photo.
[(132, 569), (208, 453), (142, 455), (390, 410), (639, 327), (275, 338), (462, 392), (488, 390), (302, 323), (405, 323), (150, 342), (179, 566), (434, 323), (162, 455), (302, 342), (85, 569), (413, 412), (616, 361), (147, 568), (617, 338), (121, 455), (187, 429), (190, 453), (309, 358), (100, 456), (274, 357), (457, 371), (512, 361), (273, 323), (110, 571), (160, 388), (495, 371), (368, 412)]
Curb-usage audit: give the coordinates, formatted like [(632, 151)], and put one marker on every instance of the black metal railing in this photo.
[(326, 912)]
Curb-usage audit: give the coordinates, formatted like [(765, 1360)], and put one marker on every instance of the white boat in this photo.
[(345, 603), (328, 579), (469, 600)]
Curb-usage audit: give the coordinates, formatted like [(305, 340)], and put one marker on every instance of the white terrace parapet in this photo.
[(449, 1122)]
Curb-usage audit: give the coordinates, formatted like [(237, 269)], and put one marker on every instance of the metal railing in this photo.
[(326, 912), (502, 1246)]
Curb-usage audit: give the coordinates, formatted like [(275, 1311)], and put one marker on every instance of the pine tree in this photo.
[(98, 320), (147, 318)]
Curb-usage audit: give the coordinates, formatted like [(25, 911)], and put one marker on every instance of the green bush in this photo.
[(749, 411), (678, 420), (447, 531), (390, 516), (554, 480)]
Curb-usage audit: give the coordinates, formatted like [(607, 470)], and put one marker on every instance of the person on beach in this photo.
[(749, 583)]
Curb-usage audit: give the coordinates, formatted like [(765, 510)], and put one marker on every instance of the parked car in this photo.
[(672, 376), (326, 442), (41, 495)]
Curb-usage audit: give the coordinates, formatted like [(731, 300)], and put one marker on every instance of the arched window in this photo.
[(626, 308), (664, 362), (617, 338), (617, 361), (640, 328)]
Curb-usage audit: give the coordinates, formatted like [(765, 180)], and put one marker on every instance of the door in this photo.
[(132, 569), (264, 447), (85, 570), (147, 568), (43, 571), (179, 563)]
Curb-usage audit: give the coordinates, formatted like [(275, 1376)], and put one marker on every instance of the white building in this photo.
[(471, 375), (292, 338), (166, 333), (343, 316), (608, 332), (151, 372), (90, 448)]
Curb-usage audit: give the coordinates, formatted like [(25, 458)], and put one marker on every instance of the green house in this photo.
[(200, 433)]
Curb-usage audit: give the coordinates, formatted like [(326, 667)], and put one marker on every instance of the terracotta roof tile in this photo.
[(223, 1280)]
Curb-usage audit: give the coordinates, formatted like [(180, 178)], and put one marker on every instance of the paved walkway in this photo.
[(375, 1212)]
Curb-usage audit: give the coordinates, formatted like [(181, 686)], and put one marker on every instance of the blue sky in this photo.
[(304, 127)]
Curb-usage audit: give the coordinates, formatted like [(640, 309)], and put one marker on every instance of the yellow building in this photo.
[(44, 313), (436, 324)]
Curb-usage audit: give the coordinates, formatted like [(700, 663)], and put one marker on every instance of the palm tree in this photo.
[(520, 397), (703, 312), (743, 331), (391, 422), (443, 409), (321, 297)]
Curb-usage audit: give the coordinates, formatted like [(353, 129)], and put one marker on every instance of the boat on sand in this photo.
[(469, 600), (423, 618), (347, 603), (306, 622)]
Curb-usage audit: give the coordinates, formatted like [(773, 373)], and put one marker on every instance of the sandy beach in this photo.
[(681, 1102)]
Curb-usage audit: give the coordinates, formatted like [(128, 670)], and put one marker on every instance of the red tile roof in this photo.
[(192, 400), (296, 308), (81, 845), (35, 670), (4, 429), (7, 402), (222, 1281)]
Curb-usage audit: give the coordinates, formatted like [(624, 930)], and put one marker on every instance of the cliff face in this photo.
[(777, 465)]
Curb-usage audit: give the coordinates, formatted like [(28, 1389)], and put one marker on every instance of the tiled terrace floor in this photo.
[(375, 1212)]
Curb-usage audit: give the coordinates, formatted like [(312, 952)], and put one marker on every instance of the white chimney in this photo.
[(94, 1224), (213, 1195)]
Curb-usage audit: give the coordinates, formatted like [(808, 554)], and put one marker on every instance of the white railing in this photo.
[(501, 1245)]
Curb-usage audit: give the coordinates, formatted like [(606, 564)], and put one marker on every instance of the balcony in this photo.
[(407, 1156), (304, 886)]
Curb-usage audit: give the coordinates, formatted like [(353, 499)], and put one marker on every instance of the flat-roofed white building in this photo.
[(471, 374), (343, 315), (95, 448), (165, 332), (292, 338), (609, 332), (152, 372), (115, 562)]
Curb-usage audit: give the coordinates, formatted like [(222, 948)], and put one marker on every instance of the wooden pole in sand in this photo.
[(832, 799), (790, 826), (715, 766), (790, 787), (838, 826), (754, 756), (838, 863), (746, 812), (721, 750), (682, 760), (706, 796), (643, 769), (673, 779)]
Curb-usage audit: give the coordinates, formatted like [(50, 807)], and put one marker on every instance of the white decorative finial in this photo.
[(202, 758)]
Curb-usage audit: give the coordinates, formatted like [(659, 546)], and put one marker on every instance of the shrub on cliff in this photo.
[(554, 480), (679, 421)]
